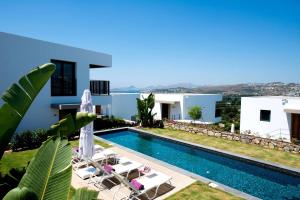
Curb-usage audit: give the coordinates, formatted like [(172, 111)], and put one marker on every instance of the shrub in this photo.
[(113, 122), (195, 112), (28, 139), (158, 124)]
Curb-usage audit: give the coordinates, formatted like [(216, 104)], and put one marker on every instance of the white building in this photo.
[(62, 94), (176, 106), (271, 117), (124, 105)]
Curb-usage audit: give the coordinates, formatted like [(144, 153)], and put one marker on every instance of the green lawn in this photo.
[(21, 159), (198, 190), (284, 158)]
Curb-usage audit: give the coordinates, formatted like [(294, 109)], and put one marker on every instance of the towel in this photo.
[(108, 168), (136, 184)]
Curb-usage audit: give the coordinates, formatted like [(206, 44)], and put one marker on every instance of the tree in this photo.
[(195, 112), (145, 107)]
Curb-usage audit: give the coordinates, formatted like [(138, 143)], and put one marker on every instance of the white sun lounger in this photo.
[(124, 167), (151, 180), (99, 156), (87, 172)]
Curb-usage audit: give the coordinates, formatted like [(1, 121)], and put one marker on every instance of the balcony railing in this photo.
[(99, 87)]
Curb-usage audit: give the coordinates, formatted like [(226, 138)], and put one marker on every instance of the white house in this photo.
[(124, 105), (176, 106), (271, 117), (61, 95)]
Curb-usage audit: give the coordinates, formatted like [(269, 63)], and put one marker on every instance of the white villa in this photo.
[(271, 117), (62, 94), (176, 106)]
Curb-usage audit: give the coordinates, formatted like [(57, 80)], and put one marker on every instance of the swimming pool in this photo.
[(252, 179)]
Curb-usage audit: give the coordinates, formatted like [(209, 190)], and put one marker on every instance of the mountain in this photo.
[(243, 89), (130, 89)]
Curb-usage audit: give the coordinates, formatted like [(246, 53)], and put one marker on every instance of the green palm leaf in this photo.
[(18, 99), (85, 194), (49, 172)]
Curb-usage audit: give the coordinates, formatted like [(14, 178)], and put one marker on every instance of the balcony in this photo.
[(99, 87)]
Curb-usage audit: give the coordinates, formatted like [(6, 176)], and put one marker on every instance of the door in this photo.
[(296, 127), (63, 113), (164, 111)]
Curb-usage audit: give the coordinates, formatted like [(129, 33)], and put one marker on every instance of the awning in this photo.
[(65, 106), (292, 109), (166, 102)]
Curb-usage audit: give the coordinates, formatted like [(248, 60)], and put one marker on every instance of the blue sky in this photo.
[(169, 41)]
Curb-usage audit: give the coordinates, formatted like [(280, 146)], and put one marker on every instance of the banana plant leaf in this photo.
[(49, 173), (84, 193), (18, 98)]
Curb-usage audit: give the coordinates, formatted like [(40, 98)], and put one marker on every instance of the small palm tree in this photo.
[(195, 113)]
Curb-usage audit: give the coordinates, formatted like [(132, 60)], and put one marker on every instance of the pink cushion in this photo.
[(108, 168), (136, 184)]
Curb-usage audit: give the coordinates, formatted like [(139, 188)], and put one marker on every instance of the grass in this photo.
[(276, 156), (201, 191), (20, 159)]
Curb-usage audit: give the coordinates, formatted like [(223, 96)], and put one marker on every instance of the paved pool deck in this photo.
[(179, 180)]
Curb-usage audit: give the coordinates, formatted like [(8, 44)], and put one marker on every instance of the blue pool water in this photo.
[(252, 179)]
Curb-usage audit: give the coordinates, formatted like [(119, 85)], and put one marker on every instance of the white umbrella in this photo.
[(86, 140)]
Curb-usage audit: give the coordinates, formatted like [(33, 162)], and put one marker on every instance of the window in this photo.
[(99, 87), (218, 109), (265, 115), (63, 80)]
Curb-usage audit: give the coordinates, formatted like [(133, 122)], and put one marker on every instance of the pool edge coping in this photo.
[(205, 180)]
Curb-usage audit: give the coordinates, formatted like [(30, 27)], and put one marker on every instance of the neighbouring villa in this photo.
[(276, 117), (176, 106)]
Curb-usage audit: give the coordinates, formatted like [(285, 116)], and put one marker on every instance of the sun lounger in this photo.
[(152, 180), (124, 167), (97, 157), (87, 172)]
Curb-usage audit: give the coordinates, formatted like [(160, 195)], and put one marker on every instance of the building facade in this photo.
[(275, 117), (176, 106), (62, 94)]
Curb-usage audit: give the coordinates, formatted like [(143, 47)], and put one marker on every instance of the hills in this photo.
[(244, 89)]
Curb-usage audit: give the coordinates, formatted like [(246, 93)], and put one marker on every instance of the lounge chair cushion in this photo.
[(137, 185), (86, 172), (108, 168)]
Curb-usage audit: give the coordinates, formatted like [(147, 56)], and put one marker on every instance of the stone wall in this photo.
[(248, 139)]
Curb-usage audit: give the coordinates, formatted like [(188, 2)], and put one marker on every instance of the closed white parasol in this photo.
[(86, 140)]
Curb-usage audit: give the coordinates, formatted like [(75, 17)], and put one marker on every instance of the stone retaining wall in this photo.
[(248, 139)]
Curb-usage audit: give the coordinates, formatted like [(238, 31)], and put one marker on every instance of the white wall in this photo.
[(207, 104), (250, 117), (19, 55), (124, 105)]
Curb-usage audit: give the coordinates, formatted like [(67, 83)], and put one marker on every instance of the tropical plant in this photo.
[(145, 107), (195, 112), (84, 193), (48, 175), (18, 98)]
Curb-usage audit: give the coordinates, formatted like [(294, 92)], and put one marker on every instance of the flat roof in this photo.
[(184, 94), (65, 106), (274, 97)]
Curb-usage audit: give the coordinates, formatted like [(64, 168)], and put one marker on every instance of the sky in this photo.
[(163, 42)]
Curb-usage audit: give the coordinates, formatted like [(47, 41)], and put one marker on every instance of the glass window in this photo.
[(99, 87), (265, 115), (63, 80)]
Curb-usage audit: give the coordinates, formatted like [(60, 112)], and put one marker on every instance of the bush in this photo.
[(107, 123), (158, 124), (28, 139)]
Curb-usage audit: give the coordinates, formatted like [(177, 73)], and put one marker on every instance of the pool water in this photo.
[(249, 178)]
